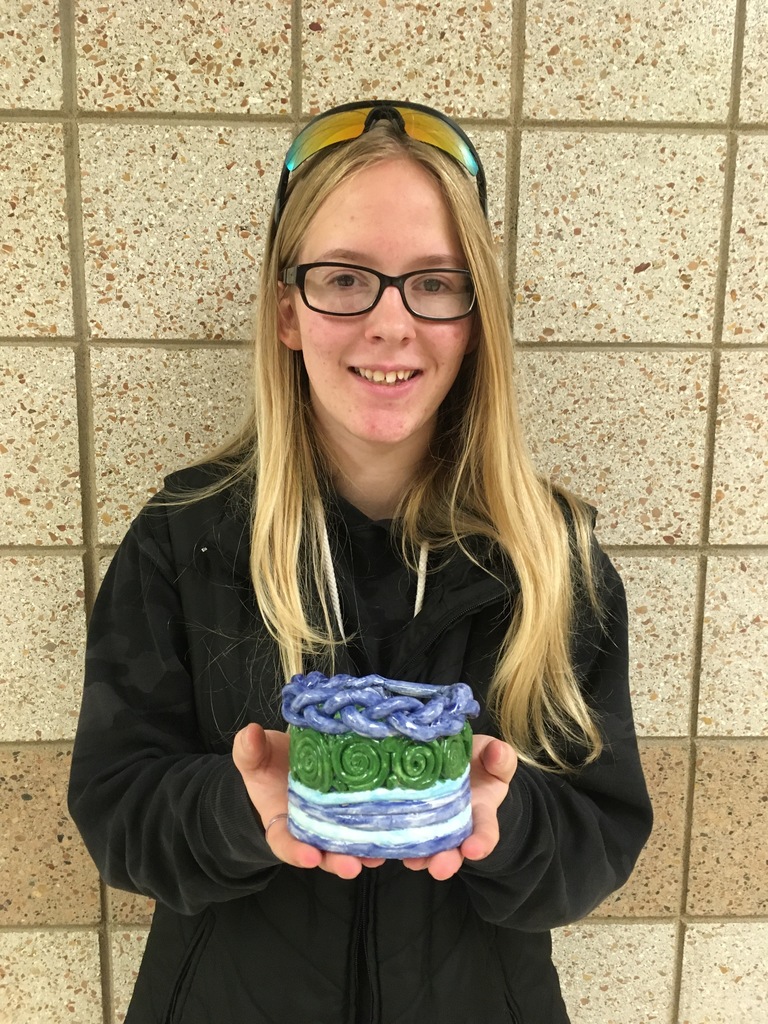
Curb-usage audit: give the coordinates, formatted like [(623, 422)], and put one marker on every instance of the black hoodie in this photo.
[(178, 661)]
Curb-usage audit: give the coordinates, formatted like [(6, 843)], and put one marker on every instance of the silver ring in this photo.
[(272, 821)]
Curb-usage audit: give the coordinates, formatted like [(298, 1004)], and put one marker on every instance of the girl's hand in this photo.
[(261, 757), (494, 763)]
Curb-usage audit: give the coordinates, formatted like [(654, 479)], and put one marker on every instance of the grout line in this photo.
[(514, 140), (80, 311), (204, 344), (83, 392), (187, 118), (297, 83), (721, 283)]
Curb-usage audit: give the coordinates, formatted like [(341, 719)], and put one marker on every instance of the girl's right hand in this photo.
[(261, 757)]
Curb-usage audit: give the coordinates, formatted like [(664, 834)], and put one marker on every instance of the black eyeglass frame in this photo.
[(296, 276), (380, 109)]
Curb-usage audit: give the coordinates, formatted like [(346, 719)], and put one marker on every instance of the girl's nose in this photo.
[(389, 318)]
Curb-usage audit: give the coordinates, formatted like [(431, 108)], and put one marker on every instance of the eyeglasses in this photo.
[(349, 121), (343, 289)]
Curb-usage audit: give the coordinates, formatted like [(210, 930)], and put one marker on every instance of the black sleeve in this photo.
[(569, 840), (159, 813)]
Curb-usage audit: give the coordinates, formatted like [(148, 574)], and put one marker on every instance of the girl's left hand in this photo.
[(494, 763)]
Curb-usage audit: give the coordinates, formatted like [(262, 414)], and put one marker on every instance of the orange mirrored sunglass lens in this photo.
[(345, 125)]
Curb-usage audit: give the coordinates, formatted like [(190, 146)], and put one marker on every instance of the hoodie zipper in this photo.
[(443, 627), (361, 963)]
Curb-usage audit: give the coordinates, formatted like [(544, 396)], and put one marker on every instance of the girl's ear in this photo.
[(287, 321)]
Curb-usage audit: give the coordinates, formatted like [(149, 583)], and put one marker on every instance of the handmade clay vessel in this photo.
[(378, 767)]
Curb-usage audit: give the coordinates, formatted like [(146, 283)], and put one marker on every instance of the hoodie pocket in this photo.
[(186, 974)]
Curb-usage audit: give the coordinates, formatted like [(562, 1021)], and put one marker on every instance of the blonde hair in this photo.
[(478, 478)]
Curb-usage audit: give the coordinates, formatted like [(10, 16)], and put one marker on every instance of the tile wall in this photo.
[(627, 154)]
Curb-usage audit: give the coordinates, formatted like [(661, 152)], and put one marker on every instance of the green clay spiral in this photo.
[(310, 762), (359, 763), (454, 755), (414, 765)]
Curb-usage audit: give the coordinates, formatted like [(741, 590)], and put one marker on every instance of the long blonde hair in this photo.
[(477, 480)]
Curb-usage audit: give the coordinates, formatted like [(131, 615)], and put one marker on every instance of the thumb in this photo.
[(499, 760), (250, 750)]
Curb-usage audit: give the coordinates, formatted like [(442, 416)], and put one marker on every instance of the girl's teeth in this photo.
[(391, 377)]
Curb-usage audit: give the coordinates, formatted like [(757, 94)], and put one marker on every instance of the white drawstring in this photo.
[(421, 581)]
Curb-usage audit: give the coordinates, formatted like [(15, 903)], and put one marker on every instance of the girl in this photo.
[(377, 512)]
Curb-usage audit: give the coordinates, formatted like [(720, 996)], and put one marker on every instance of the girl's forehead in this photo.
[(393, 202)]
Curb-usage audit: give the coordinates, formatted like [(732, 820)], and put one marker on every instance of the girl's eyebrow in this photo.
[(441, 259)]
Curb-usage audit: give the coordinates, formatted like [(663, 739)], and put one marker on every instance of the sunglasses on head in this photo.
[(349, 121)]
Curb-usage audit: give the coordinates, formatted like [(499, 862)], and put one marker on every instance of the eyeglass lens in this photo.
[(438, 294)]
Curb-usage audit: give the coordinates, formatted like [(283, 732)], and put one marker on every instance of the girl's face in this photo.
[(390, 217)]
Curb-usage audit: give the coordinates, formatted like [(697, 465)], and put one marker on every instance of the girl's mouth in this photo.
[(391, 377)]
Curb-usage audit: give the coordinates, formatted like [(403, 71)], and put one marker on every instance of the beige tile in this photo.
[(632, 62), (727, 875), (724, 980), (492, 149), (618, 237), (733, 697), (754, 75), (30, 55), (661, 601), (174, 237), (49, 879), (179, 55), (155, 411), (654, 889), (127, 951), (456, 58), (626, 431), (616, 973), (740, 472), (35, 292), (39, 459), (41, 647), (128, 908), (50, 977), (746, 294)]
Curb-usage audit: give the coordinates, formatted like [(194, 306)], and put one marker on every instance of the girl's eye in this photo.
[(343, 281), (434, 285)]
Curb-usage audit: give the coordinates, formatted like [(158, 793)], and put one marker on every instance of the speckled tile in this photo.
[(50, 977), (746, 295), (492, 149), (182, 55), (616, 973), (155, 411), (41, 647), (739, 513), (724, 979), (128, 908), (30, 55), (39, 458), (633, 62), (626, 431), (35, 291), (48, 878), (727, 875), (175, 219), (127, 951), (456, 58), (733, 697), (754, 74), (618, 237), (654, 888), (661, 600)]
